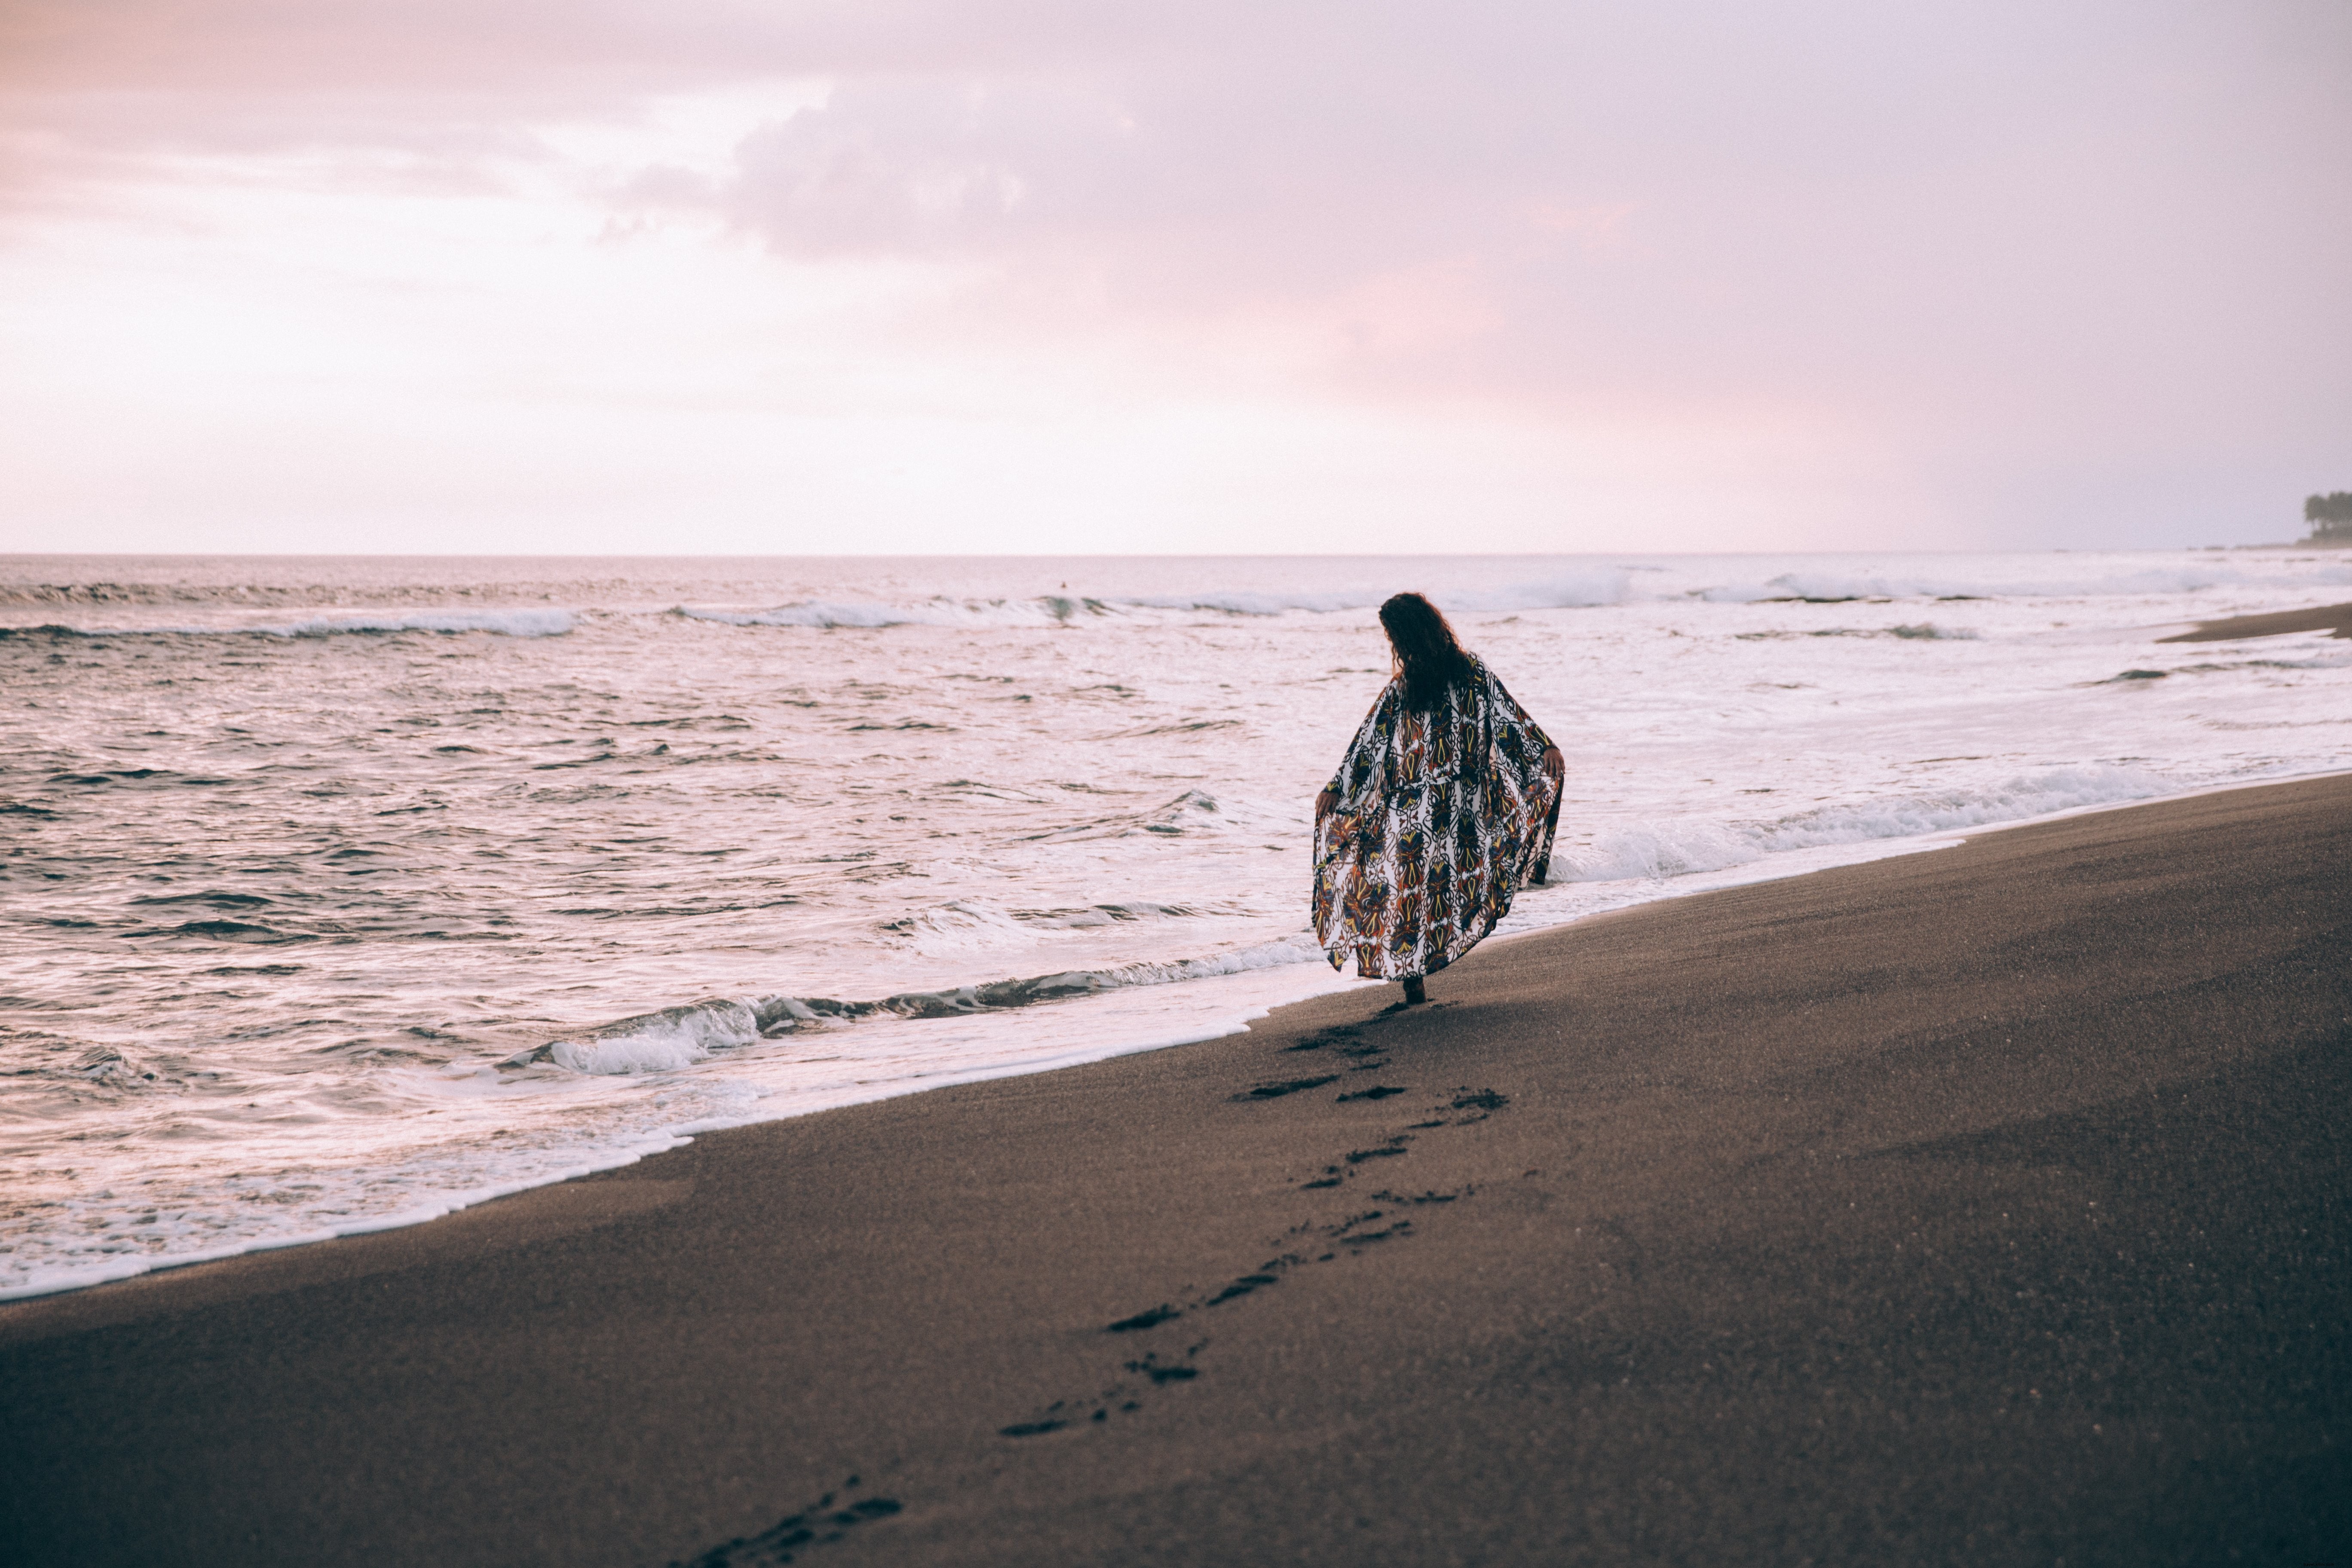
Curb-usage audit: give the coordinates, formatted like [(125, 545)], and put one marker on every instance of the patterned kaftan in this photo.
[(1442, 816)]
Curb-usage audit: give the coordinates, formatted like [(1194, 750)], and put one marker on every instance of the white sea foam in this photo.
[(1944, 811), (1651, 850), (1681, 847), (660, 1042)]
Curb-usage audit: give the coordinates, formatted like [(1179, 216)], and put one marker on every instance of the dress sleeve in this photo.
[(1360, 769)]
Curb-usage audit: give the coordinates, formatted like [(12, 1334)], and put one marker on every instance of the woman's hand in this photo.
[(1555, 766), (1324, 802)]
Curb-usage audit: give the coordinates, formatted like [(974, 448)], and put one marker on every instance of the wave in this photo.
[(1194, 811), (1574, 590), (295, 594), (1583, 587), (971, 924), (1246, 604), (1944, 811), (1675, 848), (1052, 609), (501, 623), (1571, 590), (442, 597), (678, 1037)]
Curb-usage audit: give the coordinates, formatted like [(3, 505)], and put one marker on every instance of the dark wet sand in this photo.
[(1984, 1206), (2334, 619)]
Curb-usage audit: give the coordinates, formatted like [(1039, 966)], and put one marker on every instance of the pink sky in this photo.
[(731, 276)]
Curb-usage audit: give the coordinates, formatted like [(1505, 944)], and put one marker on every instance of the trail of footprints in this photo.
[(1313, 1242), (832, 1516)]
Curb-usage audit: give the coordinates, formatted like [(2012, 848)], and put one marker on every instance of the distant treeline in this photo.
[(2328, 515)]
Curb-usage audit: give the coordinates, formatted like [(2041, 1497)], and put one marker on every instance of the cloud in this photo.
[(1990, 250), (1631, 201)]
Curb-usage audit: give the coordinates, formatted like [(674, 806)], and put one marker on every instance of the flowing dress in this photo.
[(1442, 816)]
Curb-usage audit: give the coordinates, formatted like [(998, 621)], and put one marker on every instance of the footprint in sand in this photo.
[(820, 1524), (1351, 1236)]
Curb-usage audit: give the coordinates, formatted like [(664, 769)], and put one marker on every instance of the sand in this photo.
[(2334, 619), (1979, 1207)]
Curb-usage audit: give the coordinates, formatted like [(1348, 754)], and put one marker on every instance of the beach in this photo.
[(1985, 1206), (353, 891)]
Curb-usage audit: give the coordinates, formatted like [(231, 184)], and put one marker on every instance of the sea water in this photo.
[(342, 892)]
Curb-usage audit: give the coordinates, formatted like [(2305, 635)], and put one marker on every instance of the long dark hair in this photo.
[(1428, 655)]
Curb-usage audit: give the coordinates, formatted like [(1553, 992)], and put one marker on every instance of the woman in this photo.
[(1443, 808)]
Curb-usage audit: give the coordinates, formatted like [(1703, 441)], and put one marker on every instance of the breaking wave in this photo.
[(680, 1036)]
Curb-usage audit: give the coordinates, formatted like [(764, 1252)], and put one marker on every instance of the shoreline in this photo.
[(349, 1076), (1983, 1205), (623, 1153)]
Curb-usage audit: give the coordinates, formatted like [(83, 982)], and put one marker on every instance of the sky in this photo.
[(1051, 276)]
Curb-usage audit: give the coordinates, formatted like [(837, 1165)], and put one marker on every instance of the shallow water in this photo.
[(332, 882)]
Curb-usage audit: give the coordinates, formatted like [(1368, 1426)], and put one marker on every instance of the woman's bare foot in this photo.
[(1414, 993)]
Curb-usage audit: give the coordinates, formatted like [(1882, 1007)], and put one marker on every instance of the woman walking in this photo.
[(1442, 808)]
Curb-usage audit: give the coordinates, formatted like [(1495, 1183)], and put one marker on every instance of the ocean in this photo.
[(342, 892)]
